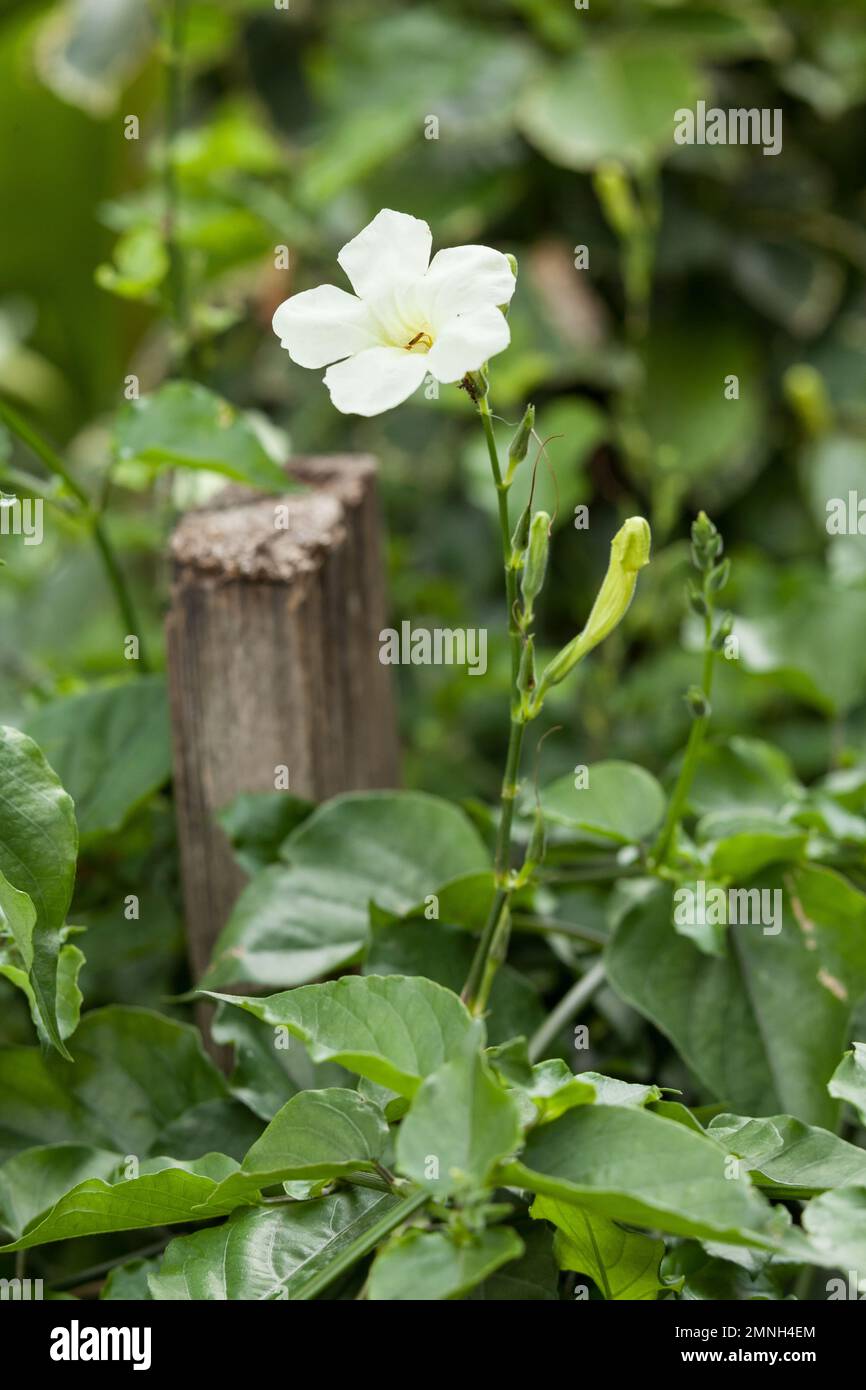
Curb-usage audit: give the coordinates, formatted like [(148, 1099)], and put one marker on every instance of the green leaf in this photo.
[(424, 1266), (141, 263), (182, 424), (128, 1283), (267, 1073), (789, 1158), (110, 748), (762, 1028), (848, 1081), (444, 953), (622, 1263), (317, 1134), (267, 1252), (621, 801), (38, 847), (554, 1089), (69, 997), (608, 102), (742, 846), (18, 918), (533, 1278), (630, 1165), (32, 1181), (743, 775), (391, 1028), (835, 1225), (135, 1073), (170, 1193), (297, 922), (257, 823), (461, 1123)]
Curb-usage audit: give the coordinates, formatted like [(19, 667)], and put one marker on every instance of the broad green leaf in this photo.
[(110, 748), (742, 846), (836, 1228), (704, 1277), (257, 823), (811, 643), (554, 1088), (743, 775), (17, 919), (267, 1252), (135, 1073), (608, 102), (128, 1283), (32, 1181), (317, 1134), (609, 1090), (69, 997), (762, 1028), (533, 1278), (701, 438), (620, 801), (296, 922), (444, 953), (461, 1123), (848, 1081), (633, 1166), (169, 1193), (624, 1264), (141, 263), (267, 1072), (391, 1028), (788, 1157), (38, 847), (425, 1266), (182, 424)]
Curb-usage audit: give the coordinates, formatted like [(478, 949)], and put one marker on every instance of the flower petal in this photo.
[(466, 342), (464, 278), (393, 249), (323, 325), (375, 380)]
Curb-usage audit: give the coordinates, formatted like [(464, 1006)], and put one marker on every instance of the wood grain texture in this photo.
[(273, 659)]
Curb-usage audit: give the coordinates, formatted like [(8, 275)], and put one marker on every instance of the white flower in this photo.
[(409, 316)]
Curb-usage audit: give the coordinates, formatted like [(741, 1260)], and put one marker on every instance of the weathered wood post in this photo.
[(273, 661)]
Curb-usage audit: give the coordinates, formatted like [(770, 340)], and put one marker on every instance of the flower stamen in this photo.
[(423, 338)]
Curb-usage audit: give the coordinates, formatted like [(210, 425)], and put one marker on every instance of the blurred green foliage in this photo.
[(159, 255)]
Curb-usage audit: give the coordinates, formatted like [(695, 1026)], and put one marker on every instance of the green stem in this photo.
[(570, 1004), (363, 1244), (54, 463), (178, 294), (677, 803), (494, 936)]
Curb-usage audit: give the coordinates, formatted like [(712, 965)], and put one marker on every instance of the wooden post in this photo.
[(273, 660)]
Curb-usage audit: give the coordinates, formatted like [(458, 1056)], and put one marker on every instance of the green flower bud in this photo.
[(535, 561), (519, 446), (629, 552), (699, 705), (697, 602), (520, 539), (718, 577), (722, 632), (526, 670), (707, 544)]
